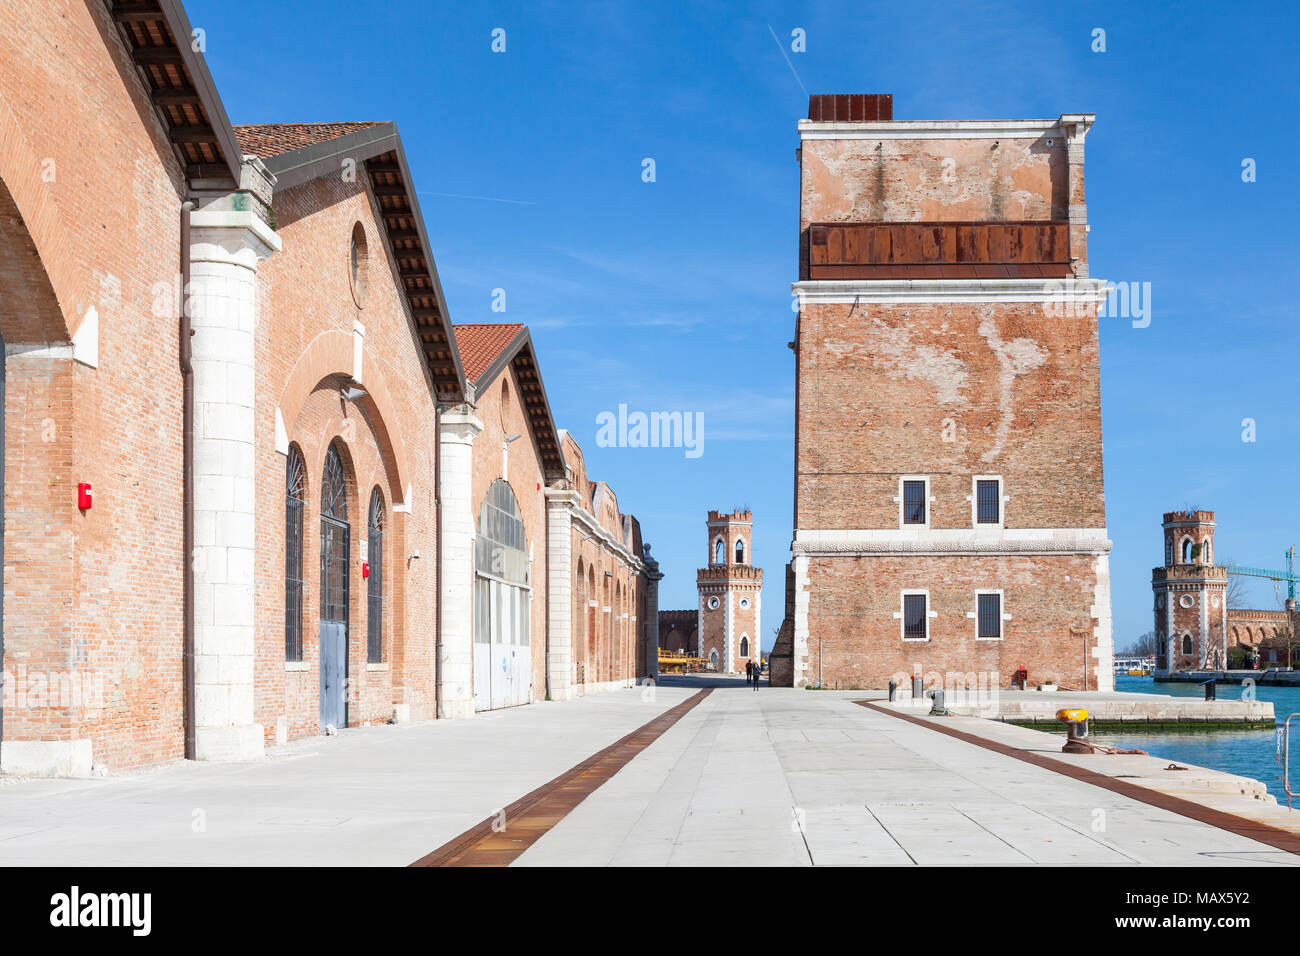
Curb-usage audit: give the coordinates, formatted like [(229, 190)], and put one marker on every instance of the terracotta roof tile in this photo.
[(272, 139), (480, 344)]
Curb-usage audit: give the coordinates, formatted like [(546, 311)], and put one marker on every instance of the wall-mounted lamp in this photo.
[(350, 393)]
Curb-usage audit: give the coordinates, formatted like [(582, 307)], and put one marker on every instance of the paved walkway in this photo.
[(785, 777), (777, 777), (375, 796)]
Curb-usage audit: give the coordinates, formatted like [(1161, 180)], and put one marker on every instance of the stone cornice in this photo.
[(561, 496), (951, 542), (1066, 294)]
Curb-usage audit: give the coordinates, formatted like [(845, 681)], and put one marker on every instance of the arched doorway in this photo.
[(335, 540), (375, 580), (502, 603)]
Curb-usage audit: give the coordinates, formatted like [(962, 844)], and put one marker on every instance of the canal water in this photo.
[(1248, 753)]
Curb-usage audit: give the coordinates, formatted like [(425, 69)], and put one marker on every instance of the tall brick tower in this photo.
[(949, 515), (730, 594), (1191, 596)]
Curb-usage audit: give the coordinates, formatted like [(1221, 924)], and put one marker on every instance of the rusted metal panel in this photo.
[(851, 107), (969, 249)]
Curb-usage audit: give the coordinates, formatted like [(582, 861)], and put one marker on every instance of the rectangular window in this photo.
[(988, 504), (914, 502), (914, 616), (989, 613)]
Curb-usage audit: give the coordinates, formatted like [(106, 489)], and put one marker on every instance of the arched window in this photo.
[(744, 646), (740, 551), (375, 583), (502, 546), (334, 539), (718, 552), (1205, 552), (1187, 550), (1169, 551), (1187, 644), (295, 500)]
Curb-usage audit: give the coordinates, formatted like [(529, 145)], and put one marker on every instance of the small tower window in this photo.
[(719, 552), (1187, 644), (1169, 551), (1187, 551), (744, 647), (740, 551)]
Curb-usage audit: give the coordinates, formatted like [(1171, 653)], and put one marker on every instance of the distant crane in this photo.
[(1289, 575)]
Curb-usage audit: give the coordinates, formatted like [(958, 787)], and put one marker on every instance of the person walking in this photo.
[(749, 672), (758, 673)]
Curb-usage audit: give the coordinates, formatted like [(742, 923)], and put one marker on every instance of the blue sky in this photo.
[(674, 295)]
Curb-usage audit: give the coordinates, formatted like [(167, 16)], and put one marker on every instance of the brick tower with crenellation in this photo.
[(730, 594)]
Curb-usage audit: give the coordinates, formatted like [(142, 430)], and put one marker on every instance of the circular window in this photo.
[(1186, 600), (358, 256), (744, 603), (713, 604)]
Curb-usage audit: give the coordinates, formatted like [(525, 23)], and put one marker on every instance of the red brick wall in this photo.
[(947, 390), (499, 406), (306, 297), (858, 641), (95, 182)]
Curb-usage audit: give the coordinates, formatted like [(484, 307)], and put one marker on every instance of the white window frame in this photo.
[(926, 497), (975, 505), (1002, 609), (740, 540), (902, 619)]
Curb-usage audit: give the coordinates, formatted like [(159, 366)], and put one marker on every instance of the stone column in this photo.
[(652, 577), (226, 245), (456, 576), (560, 503), (799, 649)]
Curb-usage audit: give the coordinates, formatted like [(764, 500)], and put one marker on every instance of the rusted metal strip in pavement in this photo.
[(1242, 826), (529, 818)]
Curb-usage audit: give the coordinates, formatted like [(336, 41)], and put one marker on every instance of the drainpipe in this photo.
[(437, 556), (187, 468)]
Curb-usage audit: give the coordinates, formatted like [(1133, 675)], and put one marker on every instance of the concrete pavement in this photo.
[(786, 777), (773, 777), (374, 796)]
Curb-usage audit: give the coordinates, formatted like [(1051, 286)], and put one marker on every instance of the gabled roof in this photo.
[(157, 35), (488, 349), (157, 32), (271, 139), (297, 153), (481, 344)]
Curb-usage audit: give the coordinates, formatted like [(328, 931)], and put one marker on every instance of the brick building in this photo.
[(726, 625), (1194, 625), (252, 489), (679, 631), (948, 500)]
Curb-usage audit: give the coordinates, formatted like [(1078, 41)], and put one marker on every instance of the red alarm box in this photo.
[(84, 499), (365, 569)]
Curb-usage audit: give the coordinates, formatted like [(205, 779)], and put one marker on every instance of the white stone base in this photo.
[(230, 743), (47, 758), (401, 713), (457, 709)]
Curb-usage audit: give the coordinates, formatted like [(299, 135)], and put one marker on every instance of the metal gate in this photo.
[(502, 649), (335, 541), (502, 604)]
